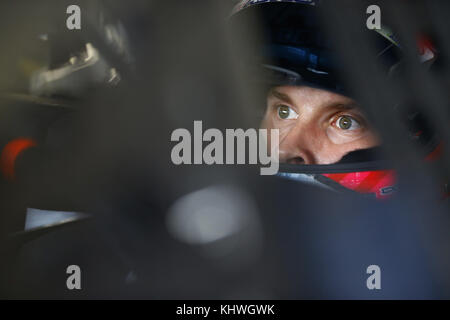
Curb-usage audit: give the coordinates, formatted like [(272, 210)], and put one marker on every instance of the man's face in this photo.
[(316, 126)]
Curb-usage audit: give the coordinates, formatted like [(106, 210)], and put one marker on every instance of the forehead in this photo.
[(305, 93)]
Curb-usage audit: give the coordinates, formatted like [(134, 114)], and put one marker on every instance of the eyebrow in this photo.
[(348, 106), (282, 96)]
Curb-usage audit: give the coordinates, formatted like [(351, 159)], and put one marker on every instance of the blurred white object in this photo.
[(222, 221), (211, 214), (73, 78), (37, 218)]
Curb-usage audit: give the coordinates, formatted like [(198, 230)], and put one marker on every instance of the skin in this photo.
[(316, 126)]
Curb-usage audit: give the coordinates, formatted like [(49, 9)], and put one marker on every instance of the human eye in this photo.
[(346, 126), (285, 112), (346, 123)]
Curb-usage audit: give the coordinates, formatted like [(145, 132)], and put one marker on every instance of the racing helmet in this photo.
[(295, 50)]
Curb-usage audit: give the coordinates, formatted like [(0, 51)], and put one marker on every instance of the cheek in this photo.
[(337, 136), (271, 122), (332, 152), (268, 121), (369, 140), (332, 155)]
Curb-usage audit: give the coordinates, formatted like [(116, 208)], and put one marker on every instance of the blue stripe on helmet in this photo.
[(252, 2)]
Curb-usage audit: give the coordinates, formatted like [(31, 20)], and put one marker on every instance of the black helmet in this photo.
[(296, 50)]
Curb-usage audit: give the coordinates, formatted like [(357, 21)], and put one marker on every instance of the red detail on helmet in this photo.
[(381, 182), (424, 43), (427, 51), (436, 153), (10, 153)]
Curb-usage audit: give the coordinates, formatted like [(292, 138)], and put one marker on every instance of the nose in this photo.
[(296, 147)]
